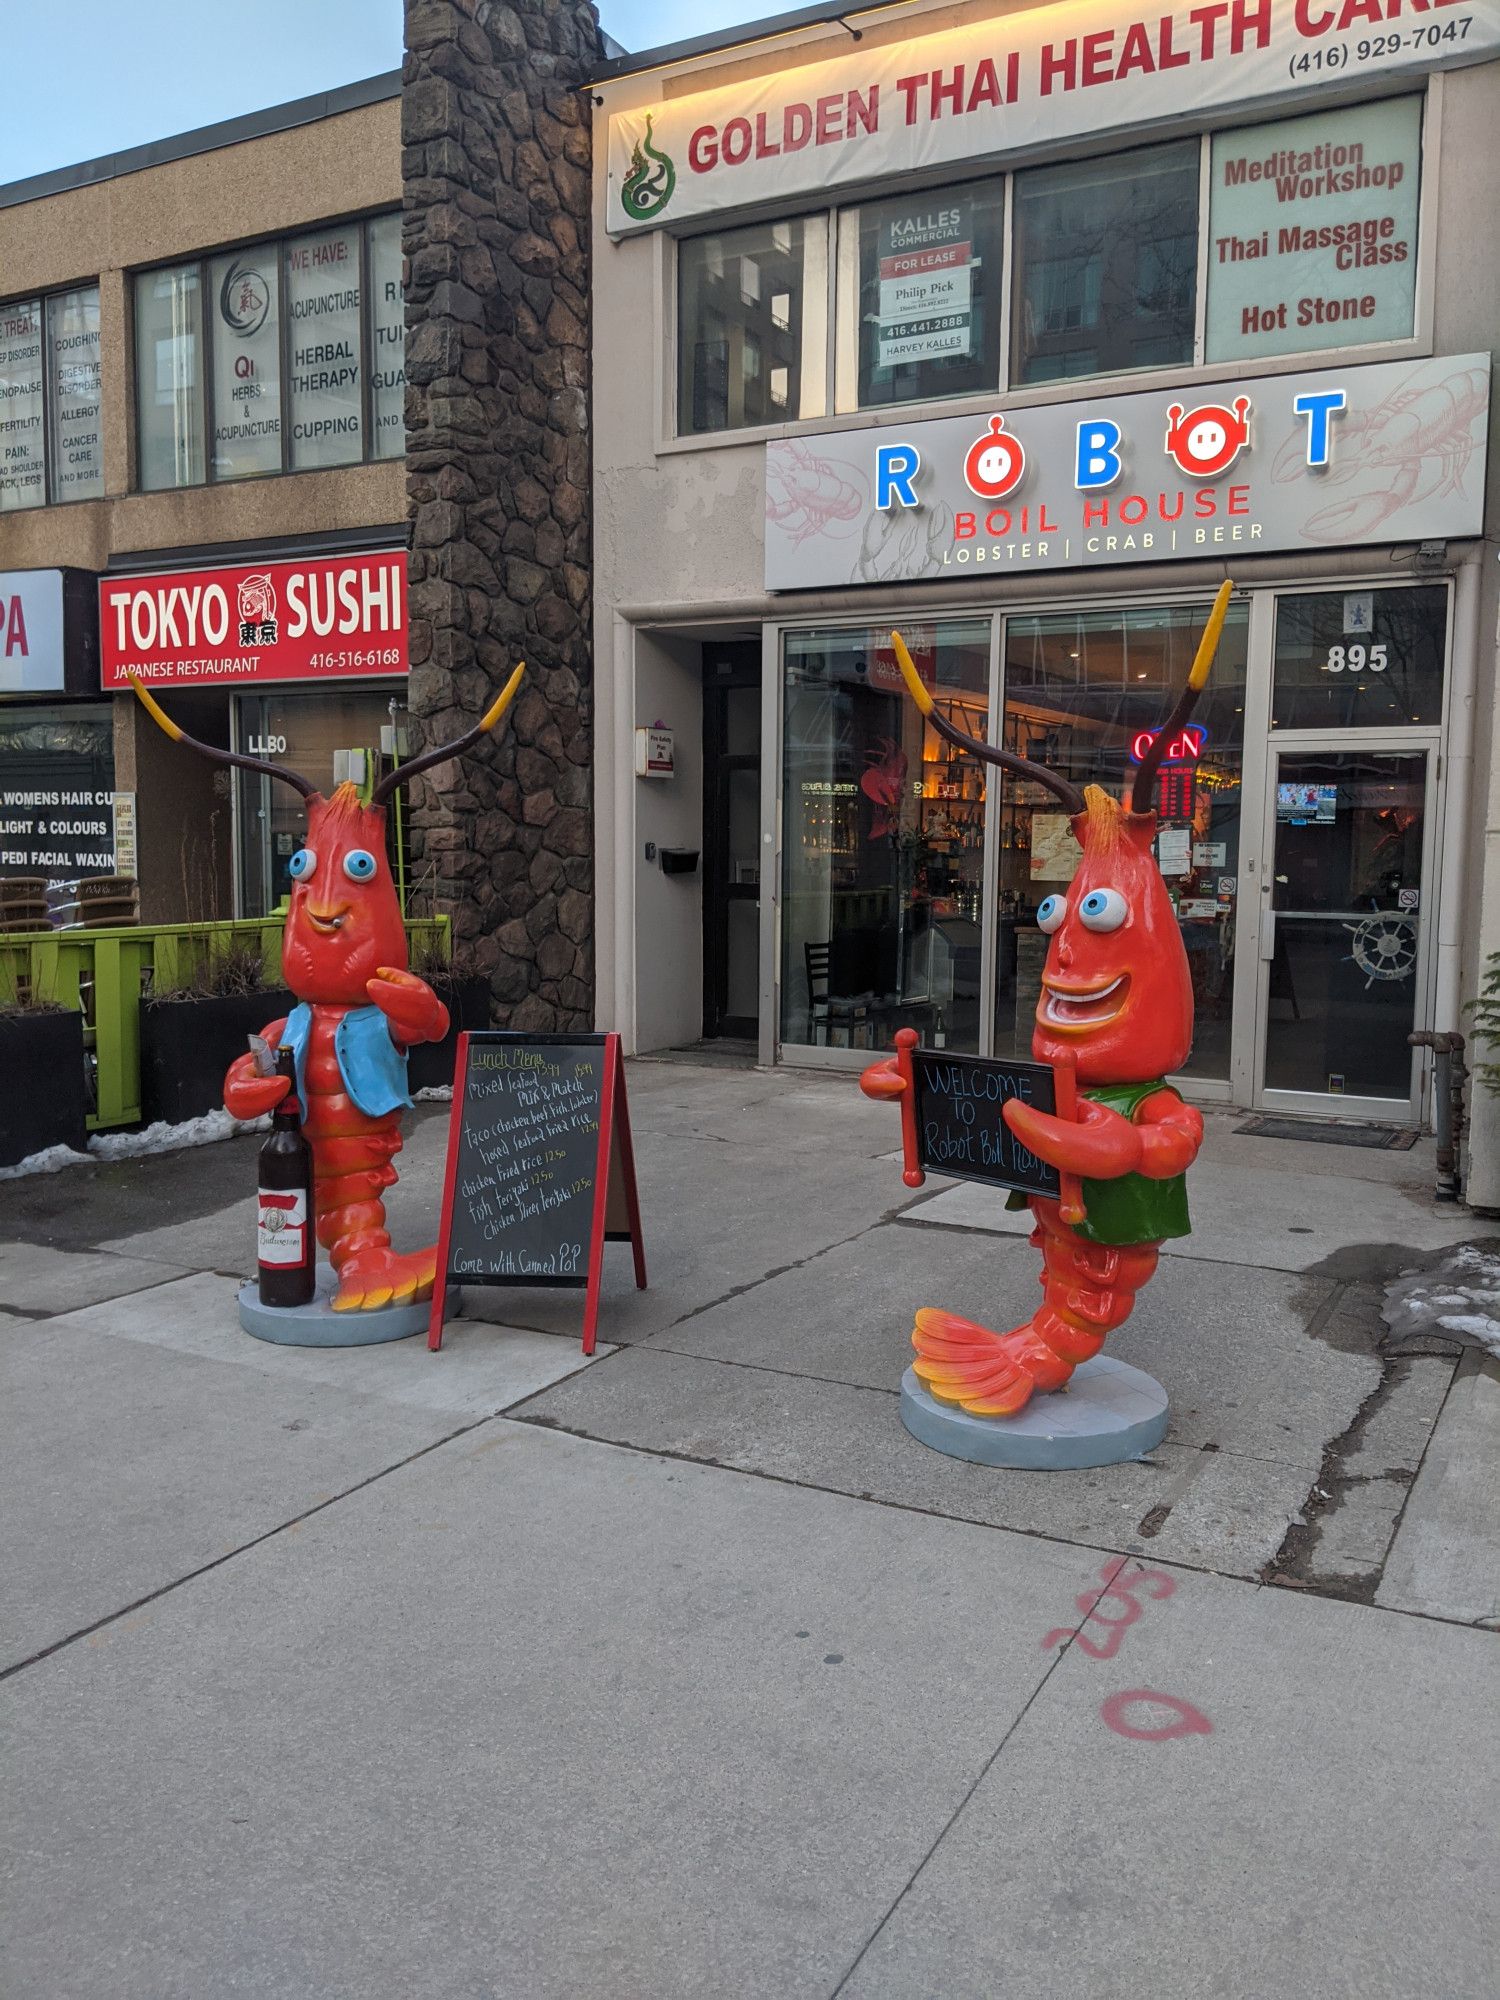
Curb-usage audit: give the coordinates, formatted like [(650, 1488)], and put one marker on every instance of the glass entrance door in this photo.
[(1342, 933)]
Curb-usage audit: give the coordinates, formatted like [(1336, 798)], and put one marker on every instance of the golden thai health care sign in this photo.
[(1013, 82), (1330, 458)]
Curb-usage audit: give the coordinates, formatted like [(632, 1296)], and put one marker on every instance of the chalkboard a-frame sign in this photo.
[(540, 1172), (953, 1119)]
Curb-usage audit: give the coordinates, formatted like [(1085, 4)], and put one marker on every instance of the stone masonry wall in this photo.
[(496, 154)]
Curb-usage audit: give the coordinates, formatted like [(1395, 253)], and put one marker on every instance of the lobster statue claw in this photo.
[(1117, 1003), (344, 956)]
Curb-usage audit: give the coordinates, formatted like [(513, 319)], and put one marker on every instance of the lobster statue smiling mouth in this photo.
[(1116, 1004), (344, 956)]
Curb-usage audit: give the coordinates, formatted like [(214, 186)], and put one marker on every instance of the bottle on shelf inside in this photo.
[(287, 1245)]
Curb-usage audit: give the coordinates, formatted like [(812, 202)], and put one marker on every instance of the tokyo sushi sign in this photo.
[(998, 87), (1338, 458)]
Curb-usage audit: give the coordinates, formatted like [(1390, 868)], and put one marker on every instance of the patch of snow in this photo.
[(1458, 1297), (51, 1160), (159, 1138), (433, 1093)]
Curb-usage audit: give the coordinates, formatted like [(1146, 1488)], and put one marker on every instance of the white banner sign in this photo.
[(31, 631), (1001, 86)]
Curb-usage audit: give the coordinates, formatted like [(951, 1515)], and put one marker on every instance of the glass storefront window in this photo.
[(48, 756), (169, 383), (1106, 260), (1083, 693), (388, 340), (749, 318), (313, 734), (1352, 659), (244, 288), (883, 838), (23, 461), (323, 315), (929, 294), (76, 446)]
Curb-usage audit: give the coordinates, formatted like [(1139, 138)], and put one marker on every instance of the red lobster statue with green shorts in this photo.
[(343, 954), (1117, 1003)]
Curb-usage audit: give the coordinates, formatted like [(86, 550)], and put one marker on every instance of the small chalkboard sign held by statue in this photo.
[(540, 1172), (953, 1120)]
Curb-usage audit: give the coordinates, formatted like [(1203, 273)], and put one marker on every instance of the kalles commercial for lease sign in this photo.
[(1014, 81), (321, 618)]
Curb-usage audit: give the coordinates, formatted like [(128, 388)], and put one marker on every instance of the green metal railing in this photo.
[(106, 974)]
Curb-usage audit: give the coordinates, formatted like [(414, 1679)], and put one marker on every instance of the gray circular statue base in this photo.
[(318, 1325), (1108, 1412)]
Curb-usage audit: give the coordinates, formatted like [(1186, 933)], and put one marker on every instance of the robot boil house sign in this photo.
[(1330, 458)]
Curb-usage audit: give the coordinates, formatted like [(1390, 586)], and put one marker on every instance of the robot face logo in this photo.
[(1206, 441), (996, 463)]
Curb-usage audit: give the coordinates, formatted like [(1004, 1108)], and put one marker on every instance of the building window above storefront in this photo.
[(1360, 659), (51, 447), (748, 331), (1106, 257), (279, 357), (1292, 237)]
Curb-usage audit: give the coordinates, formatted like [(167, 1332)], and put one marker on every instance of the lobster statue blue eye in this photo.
[(359, 864), (1051, 913), (302, 864), (1103, 910)]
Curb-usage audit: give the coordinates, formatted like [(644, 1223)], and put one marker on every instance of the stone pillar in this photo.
[(496, 164)]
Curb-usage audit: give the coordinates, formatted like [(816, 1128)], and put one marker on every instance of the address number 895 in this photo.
[(1354, 659)]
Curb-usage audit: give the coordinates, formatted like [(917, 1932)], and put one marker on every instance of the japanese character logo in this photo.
[(257, 609), (244, 299), (996, 463), (1209, 439)]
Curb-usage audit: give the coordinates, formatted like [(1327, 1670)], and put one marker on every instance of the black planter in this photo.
[(468, 1004), (43, 1090), (187, 1045)]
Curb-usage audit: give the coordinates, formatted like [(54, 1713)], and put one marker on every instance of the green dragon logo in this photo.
[(648, 187)]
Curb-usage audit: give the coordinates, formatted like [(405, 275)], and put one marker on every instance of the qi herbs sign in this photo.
[(1312, 226), (995, 88), (1330, 458), (325, 618), (926, 301)]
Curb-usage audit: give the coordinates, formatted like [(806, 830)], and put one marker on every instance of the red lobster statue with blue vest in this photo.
[(344, 956), (1116, 1003)]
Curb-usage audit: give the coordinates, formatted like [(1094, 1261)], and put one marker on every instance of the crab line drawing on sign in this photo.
[(1418, 442)]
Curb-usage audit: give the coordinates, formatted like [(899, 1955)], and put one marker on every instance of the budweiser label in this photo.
[(283, 1226)]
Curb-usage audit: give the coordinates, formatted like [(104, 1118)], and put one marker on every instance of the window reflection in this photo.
[(1351, 659), (1083, 692), (883, 839)]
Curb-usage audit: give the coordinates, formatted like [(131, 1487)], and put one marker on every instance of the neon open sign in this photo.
[(1186, 747)]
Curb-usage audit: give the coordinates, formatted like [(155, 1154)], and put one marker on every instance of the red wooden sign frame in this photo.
[(614, 1150)]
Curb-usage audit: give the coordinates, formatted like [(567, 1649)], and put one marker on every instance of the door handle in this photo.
[(1268, 934)]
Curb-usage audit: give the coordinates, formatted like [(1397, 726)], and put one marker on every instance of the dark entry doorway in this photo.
[(731, 838)]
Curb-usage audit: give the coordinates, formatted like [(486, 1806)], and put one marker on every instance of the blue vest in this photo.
[(372, 1067)]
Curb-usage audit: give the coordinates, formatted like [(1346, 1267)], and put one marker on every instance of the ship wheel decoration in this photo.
[(1385, 947)]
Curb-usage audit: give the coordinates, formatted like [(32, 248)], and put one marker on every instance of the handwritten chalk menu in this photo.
[(540, 1173), (961, 1130)]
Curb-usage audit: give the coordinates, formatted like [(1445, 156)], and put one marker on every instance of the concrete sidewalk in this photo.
[(495, 1673)]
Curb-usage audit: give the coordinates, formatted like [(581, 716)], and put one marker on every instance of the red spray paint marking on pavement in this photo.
[(1190, 1721), (1159, 1585)]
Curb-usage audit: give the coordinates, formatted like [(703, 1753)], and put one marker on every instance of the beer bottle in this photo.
[(287, 1243)]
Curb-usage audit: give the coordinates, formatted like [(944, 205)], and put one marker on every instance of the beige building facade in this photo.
[(1018, 329), (220, 382)]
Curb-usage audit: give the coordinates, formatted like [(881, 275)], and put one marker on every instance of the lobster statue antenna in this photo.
[(387, 785), (1019, 767), (1182, 708)]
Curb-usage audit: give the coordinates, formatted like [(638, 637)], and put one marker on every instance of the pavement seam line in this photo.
[(255, 1542), (962, 1806), (187, 1271)]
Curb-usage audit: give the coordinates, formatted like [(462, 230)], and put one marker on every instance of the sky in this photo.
[(95, 76)]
